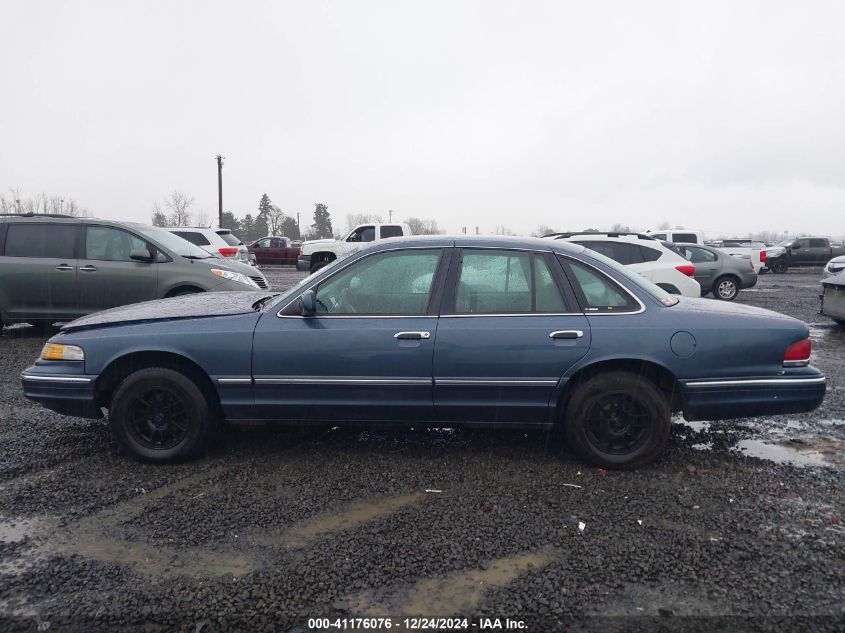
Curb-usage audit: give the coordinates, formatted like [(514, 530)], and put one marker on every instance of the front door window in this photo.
[(396, 282)]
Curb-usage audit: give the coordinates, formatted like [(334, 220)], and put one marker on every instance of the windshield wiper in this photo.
[(260, 303), (196, 257)]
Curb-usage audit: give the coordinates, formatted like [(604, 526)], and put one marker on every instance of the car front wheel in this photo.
[(160, 415), (726, 289), (617, 420)]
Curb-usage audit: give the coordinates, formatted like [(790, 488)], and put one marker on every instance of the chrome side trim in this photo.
[(481, 382), (234, 381), (796, 363), (510, 314), (343, 381), (757, 381), (68, 379)]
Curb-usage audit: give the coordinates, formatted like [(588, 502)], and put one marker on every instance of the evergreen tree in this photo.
[(322, 227), (289, 228), (248, 229), (230, 222), (262, 220)]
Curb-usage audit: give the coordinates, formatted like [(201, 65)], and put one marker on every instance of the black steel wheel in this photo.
[(617, 420), (779, 267), (159, 414)]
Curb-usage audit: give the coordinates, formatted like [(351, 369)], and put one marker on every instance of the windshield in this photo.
[(172, 242), (785, 242), (655, 291)]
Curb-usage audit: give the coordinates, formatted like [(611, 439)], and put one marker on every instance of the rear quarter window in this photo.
[(391, 231), (197, 239), (688, 238), (230, 239), (49, 241)]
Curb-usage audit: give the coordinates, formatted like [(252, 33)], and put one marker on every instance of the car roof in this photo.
[(478, 241)]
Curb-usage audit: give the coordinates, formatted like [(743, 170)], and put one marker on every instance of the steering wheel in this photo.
[(320, 303)]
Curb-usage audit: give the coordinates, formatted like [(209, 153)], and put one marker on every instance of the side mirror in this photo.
[(140, 255), (796, 247), (308, 301)]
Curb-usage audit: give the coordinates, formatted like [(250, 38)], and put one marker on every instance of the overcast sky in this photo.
[(729, 117)]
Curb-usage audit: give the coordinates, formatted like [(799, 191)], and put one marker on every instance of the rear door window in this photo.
[(621, 252), (817, 243), (689, 238), (391, 231), (506, 282), (699, 255), (197, 239), (44, 240)]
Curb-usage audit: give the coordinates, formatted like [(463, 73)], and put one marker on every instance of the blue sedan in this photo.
[(436, 330)]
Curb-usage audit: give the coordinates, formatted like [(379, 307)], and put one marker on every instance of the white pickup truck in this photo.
[(317, 253), (755, 252)]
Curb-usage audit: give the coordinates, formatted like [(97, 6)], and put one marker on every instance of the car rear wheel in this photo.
[(617, 420), (780, 266), (318, 265), (725, 288), (158, 414)]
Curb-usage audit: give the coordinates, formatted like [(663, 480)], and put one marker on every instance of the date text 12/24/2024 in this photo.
[(416, 624)]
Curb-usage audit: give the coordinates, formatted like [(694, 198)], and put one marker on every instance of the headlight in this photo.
[(233, 276), (56, 351)]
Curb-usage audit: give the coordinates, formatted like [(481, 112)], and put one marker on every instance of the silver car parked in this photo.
[(716, 271), (59, 268)]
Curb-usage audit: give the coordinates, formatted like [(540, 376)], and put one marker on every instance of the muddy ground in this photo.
[(272, 527)]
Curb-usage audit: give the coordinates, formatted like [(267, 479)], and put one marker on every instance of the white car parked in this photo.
[(220, 242), (834, 267), (645, 255)]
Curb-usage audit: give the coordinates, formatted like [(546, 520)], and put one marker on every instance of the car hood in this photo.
[(837, 280), (838, 260), (193, 306)]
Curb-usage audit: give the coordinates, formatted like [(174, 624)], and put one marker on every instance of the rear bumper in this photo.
[(68, 394), (833, 302), (303, 262), (723, 399)]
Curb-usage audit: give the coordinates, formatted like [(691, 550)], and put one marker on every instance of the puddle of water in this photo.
[(456, 593), (358, 513), (695, 426), (783, 454), (17, 530)]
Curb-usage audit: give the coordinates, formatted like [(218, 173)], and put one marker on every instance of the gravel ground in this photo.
[(272, 527)]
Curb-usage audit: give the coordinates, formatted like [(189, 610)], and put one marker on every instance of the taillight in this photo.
[(798, 354), (762, 257), (687, 269), (228, 252)]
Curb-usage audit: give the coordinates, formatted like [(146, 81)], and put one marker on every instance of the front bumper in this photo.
[(723, 399), (833, 302), (65, 393), (303, 262)]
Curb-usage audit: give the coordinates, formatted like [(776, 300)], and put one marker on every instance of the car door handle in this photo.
[(64, 267), (412, 336), (559, 334), (88, 269)]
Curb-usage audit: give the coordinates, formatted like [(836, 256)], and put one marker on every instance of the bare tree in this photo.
[(421, 226), (275, 219), (664, 225), (620, 228), (159, 216), (543, 230), (354, 219), (178, 205), (202, 219)]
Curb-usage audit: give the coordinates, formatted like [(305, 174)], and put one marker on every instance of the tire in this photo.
[(621, 394), (184, 291), (726, 288), (317, 266), (44, 328), (180, 435), (840, 322), (779, 267)]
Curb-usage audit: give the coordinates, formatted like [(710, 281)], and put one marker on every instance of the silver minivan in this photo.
[(58, 268)]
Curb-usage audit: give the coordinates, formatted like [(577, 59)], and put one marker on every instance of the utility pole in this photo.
[(298, 228), (220, 191)]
